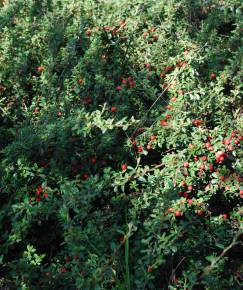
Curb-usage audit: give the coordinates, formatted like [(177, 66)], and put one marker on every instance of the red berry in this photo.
[(200, 212), (153, 137), (119, 88), (195, 158), (40, 68), (93, 160), (134, 143), (85, 176), (225, 216), (150, 269), (210, 167), (204, 158), (36, 110), (163, 122), (173, 99), (230, 148), (236, 142), (213, 76), (59, 114), (185, 194), (140, 149), (222, 178), (202, 167), (190, 187), (113, 109), (167, 116), (183, 183), (190, 201), (149, 146), (124, 167), (186, 164), (63, 270), (227, 141), (39, 190), (45, 195), (178, 213)]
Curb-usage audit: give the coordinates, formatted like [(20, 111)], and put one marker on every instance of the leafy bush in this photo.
[(120, 144)]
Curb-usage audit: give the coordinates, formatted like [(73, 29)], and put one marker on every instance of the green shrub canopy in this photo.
[(120, 139)]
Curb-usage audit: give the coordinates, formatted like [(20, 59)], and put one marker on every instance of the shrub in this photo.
[(120, 144)]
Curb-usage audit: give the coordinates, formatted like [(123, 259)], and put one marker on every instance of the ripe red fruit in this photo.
[(210, 167), (169, 107), (85, 176), (190, 187), (190, 201), (227, 141), (150, 269), (145, 34), (202, 167), (39, 190), (200, 212), (163, 122), (222, 178), (134, 143), (178, 213), (153, 29), (45, 194), (124, 167), (153, 137), (213, 76), (140, 149), (40, 68), (225, 216), (185, 194), (80, 81), (197, 122), (204, 158), (195, 158), (183, 183), (241, 193), (119, 88), (36, 110), (230, 148), (149, 147), (59, 114), (173, 99), (63, 270), (186, 164), (167, 116), (170, 209), (38, 199), (93, 160), (236, 142), (113, 109)]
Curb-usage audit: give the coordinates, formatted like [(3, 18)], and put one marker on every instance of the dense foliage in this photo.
[(120, 140)]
